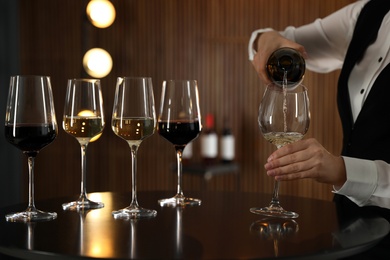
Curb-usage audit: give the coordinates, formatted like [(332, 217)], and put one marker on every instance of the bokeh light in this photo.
[(97, 62), (101, 13)]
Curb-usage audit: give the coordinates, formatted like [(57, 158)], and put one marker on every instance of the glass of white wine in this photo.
[(84, 120), (284, 118), (133, 120)]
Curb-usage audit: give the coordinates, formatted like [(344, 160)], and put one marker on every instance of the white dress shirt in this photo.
[(326, 42)]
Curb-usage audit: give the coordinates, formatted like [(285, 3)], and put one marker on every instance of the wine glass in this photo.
[(30, 125), (179, 122), (84, 120), (134, 120), (284, 118), (275, 229)]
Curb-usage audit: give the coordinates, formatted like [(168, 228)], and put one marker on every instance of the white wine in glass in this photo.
[(284, 118), (30, 125), (179, 122), (134, 120), (84, 120)]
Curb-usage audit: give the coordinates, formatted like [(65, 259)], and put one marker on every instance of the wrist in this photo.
[(253, 41), (341, 172)]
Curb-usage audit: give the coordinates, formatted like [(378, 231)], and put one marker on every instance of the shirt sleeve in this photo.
[(367, 182), (326, 40), (362, 179)]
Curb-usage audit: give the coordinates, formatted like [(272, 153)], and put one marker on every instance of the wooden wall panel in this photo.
[(171, 39)]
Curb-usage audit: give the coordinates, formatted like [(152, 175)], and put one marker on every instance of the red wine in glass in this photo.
[(179, 123), (179, 133), (30, 125), (30, 138)]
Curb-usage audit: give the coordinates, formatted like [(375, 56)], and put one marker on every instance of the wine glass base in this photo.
[(276, 212), (82, 204), (31, 216), (179, 200), (134, 213)]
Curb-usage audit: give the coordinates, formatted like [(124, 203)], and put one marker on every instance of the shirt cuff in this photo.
[(251, 49), (362, 180)]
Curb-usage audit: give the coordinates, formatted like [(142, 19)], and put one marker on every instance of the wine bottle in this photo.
[(286, 66), (209, 142), (227, 145), (187, 153)]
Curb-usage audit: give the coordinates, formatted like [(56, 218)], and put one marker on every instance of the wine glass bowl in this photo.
[(83, 119), (134, 120), (30, 125), (284, 118), (179, 122)]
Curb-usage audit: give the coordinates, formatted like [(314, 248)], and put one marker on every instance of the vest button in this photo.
[(380, 59)]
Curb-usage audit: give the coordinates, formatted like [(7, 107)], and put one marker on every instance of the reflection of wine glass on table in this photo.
[(30, 125), (275, 229), (179, 123), (84, 120), (134, 120), (284, 118)]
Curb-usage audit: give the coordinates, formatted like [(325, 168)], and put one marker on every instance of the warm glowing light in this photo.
[(97, 232), (97, 63), (89, 113), (101, 13), (86, 113)]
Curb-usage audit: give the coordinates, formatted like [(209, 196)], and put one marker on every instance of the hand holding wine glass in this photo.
[(133, 120), (284, 118), (179, 123), (30, 125), (84, 120)]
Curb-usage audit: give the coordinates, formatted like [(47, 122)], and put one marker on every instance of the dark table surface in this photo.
[(221, 228)]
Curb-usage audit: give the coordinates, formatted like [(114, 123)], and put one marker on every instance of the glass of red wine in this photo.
[(84, 120), (134, 120), (179, 122), (30, 125)]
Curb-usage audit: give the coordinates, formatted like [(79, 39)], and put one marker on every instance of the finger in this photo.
[(288, 168), (259, 65), (286, 160), (291, 163), (287, 150), (295, 176)]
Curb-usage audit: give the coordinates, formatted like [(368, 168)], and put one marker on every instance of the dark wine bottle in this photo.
[(286, 66), (187, 153)]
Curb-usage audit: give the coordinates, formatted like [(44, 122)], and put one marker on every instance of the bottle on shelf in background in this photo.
[(286, 64), (187, 153), (227, 151), (209, 142)]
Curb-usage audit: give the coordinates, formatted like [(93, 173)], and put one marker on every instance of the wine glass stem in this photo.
[(276, 247), (179, 153), (31, 203), (83, 194), (134, 149), (275, 195)]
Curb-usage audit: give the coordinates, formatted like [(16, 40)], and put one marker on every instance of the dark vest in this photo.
[(369, 137), (374, 117)]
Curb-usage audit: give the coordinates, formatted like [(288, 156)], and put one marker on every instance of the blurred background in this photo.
[(204, 40)]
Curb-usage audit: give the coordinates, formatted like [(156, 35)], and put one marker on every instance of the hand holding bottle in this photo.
[(265, 45), (286, 67)]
